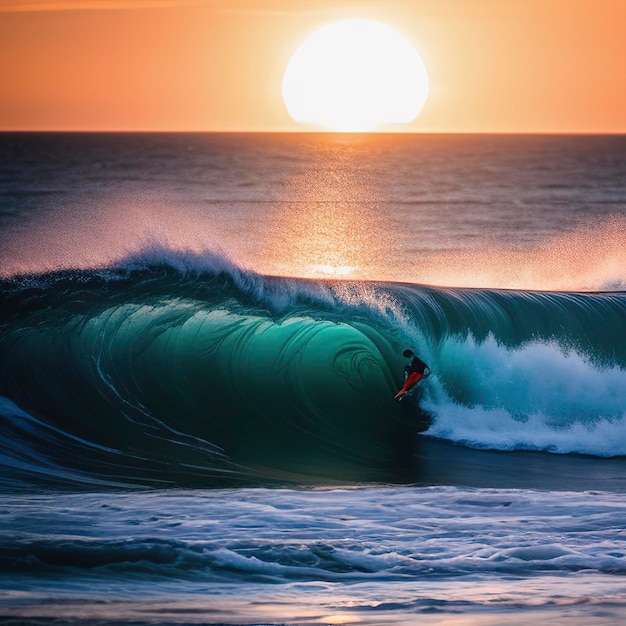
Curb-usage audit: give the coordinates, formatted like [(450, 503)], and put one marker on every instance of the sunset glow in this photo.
[(194, 65), (355, 75)]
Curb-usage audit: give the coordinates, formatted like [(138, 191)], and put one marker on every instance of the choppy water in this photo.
[(200, 340), (370, 555)]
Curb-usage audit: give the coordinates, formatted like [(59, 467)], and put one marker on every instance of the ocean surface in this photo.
[(200, 340)]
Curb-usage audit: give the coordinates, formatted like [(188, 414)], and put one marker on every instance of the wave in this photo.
[(247, 536), (174, 368)]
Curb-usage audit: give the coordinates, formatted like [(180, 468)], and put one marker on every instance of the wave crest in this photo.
[(172, 368)]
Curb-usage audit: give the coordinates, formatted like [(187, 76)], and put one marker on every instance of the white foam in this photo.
[(539, 396)]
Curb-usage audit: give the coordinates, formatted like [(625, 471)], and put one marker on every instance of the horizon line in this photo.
[(308, 132)]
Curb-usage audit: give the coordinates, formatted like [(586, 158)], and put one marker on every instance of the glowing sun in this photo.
[(355, 75)]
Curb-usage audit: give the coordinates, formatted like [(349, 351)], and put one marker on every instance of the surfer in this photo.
[(414, 372)]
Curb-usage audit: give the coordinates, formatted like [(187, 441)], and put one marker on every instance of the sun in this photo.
[(355, 75)]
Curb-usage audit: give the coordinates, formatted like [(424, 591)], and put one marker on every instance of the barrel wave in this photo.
[(185, 370)]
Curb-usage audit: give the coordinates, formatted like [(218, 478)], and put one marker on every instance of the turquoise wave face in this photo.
[(157, 375), (150, 378)]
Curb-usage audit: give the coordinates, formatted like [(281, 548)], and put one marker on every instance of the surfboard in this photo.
[(406, 394)]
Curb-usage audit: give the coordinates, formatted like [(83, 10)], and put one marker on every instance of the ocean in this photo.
[(201, 336)]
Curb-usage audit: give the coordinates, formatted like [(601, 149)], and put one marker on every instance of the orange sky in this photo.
[(494, 65)]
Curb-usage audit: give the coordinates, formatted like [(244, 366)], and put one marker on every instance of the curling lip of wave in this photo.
[(107, 370)]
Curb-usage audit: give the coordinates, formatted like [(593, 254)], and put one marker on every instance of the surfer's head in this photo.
[(408, 354)]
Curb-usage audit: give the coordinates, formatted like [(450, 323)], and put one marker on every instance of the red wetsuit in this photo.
[(415, 372)]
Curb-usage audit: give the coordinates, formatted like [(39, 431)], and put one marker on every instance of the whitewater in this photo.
[(200, 341)]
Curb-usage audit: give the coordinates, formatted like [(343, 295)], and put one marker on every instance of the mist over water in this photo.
[(541, 213)]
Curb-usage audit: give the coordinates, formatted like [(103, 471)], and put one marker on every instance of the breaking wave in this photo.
[(174, 368)]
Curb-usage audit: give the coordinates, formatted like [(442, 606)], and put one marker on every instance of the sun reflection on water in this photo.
[(328, 223)]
